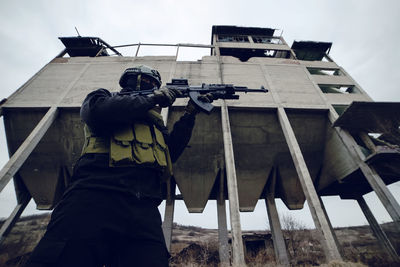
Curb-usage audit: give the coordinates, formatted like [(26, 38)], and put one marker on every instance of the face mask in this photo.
[(146, 85), (131, 84)]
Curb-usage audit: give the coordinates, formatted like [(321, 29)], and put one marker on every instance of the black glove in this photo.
[(207, 98), (192, 108), (165, 97)]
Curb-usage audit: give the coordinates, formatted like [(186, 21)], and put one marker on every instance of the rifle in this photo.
[(218, 91)]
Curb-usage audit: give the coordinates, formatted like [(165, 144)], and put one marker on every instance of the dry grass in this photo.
[(343, 264), (198, 247), (202, 254), (359, 248)]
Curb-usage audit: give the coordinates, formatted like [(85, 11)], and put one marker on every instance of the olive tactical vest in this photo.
[(141, 145)]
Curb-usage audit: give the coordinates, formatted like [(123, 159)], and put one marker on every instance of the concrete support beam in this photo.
[(222, 225), (168, 222), (281, 254), (13, 218), (19, 157), (373, 178), (377, 230), (320, 221), (368, 142), (383, 193), (23, 152), (237, 242), (26, 148), (330, 226)]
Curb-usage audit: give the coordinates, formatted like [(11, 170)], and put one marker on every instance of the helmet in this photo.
[(140, 70)]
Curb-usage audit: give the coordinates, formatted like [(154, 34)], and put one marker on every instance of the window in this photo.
[(339, 89), (266, 40), (328, 72), (231, 38)]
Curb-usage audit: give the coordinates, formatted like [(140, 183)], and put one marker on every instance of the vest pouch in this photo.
[(94, 144), (143, 144), (160, 148), (121, 147)]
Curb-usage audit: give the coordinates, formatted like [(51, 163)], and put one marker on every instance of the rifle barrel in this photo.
[(263, 90)]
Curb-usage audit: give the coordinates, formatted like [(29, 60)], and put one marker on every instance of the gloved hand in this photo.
[(193, 109), (165, 97), (207, 98)]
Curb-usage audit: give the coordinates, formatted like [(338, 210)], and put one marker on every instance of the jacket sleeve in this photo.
[(180, 135), (103, 111)]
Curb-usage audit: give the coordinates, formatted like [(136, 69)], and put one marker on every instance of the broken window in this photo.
[(270, 52), (231, 38), (245, 54), (311, 51), (266, 40), (86, 46), (339, 89), (328, 72)]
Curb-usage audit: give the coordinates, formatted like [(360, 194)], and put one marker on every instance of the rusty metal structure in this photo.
[(316, 133)]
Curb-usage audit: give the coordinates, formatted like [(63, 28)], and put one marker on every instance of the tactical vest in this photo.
[(141, 144)]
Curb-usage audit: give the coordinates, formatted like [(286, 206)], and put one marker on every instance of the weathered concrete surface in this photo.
[(196, 171), (258, 142)]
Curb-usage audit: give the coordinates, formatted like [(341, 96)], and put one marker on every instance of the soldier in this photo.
[(109, 214)]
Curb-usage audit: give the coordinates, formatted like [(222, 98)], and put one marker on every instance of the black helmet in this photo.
[(140, 70)]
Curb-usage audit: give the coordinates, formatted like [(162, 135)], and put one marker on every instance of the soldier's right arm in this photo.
[(103, 111)]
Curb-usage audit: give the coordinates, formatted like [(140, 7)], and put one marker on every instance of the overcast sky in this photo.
[(365, 36)]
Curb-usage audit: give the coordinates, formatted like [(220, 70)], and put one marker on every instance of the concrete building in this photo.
[(309, 136)]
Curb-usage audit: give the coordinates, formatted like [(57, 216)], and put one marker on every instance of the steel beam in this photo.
[(137, 50), (320, 221)]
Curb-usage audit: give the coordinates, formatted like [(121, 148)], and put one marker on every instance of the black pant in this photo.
[(96, 228), (95, 253)]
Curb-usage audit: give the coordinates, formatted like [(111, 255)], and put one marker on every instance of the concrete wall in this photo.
[(259, 144)]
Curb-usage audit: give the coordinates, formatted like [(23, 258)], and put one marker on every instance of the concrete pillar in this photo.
[(222, 225), (367, 141), (330, 225), (373, 178), (320, 221), (13, 218), (281, 254), (237, 242), (25, 149), (377, 230), (168, 222), (383, 193), (23, 152)]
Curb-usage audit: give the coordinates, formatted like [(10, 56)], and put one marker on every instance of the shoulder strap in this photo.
[(156, 119)]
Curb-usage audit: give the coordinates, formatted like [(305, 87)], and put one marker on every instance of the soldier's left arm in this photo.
[(180, 135)]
